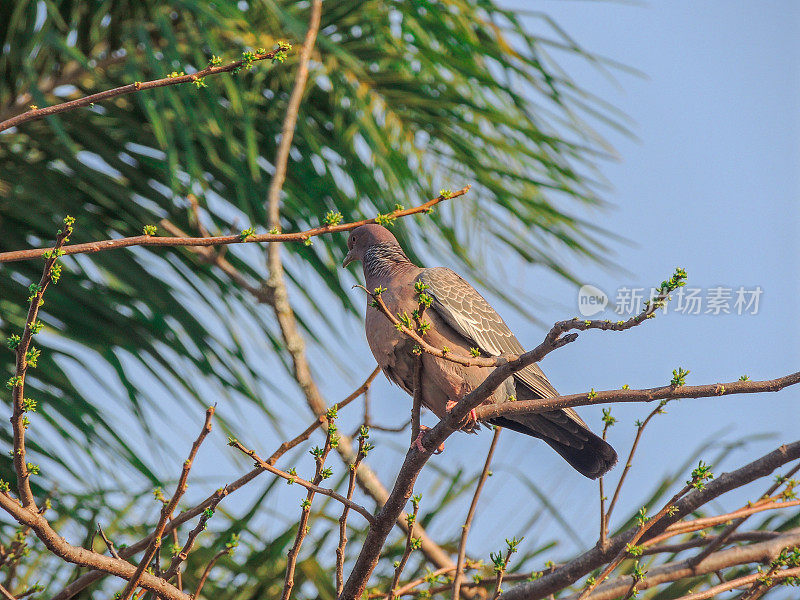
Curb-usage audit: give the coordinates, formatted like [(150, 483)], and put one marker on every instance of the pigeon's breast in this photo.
[(391, 349)]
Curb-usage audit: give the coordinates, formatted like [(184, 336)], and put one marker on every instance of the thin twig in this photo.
[(168, 509), (312, 487), (28, 356), (596, 557), (668, 392), (668, 508), (363, 448), (699, 542), (408, 587), (608, 421), (183, 554), (411, 544), (211, 69), (6, 594), (681, 570), (628, 464), (739, 582), (222, 240), (501, 568), (730, 529), (178, 574), (302, 526), (109, 543), (207, 571), (462, 545), (558, 330), (85, 580), (699, 524)]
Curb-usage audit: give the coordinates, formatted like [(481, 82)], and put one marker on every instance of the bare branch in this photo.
[(462, 544), (207, 572), (644, 526), (363, 448), (753, 578), (675, 571), (730, 529), (138, 86), (310, 486), (6, 595), (109, 543), (555, 335), (668, 392), (629, 463), (83, 557), (87, 579), (608, 421), (571, 571), (411, 543), (168, 509), (302, 526), (175, 564), (28, 356), (748, 536), (156, 241)]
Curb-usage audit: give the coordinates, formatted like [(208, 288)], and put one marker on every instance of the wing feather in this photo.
[(466, 311)]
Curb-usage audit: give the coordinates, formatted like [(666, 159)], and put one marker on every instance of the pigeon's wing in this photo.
[(466, 311)]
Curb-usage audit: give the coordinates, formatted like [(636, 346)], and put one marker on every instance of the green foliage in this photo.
[(699, 475), (678, 377)]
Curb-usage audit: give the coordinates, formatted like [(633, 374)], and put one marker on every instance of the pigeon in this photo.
[(464, 322)]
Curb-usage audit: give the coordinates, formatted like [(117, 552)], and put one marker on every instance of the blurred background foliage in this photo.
[(404, 99)]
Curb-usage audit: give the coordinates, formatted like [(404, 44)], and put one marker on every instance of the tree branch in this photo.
[(312, 487), (410, 544), (168, 509), (570, 572), (730, 529), (87, 579), (667, 392), (363, 448), (211, 69), (28, 356), (462, 544), (156, 241), (628, 465), (674, 571)]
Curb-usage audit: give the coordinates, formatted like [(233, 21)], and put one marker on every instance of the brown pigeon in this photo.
[(461, 319)]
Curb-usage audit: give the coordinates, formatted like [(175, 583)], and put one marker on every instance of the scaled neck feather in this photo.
[(385, 260)]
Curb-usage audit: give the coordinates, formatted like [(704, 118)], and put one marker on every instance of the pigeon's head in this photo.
[(365, 237)]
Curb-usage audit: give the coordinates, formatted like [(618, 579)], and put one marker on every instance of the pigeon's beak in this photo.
[(348, 259)]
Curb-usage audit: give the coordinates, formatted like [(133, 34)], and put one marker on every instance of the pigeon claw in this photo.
[(472, 418)]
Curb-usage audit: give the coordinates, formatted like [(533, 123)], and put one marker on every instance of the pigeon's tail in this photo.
[(587, 453), (594, 460)]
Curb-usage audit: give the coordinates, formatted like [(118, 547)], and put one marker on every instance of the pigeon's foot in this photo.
[(472, 418), (418, 442)]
